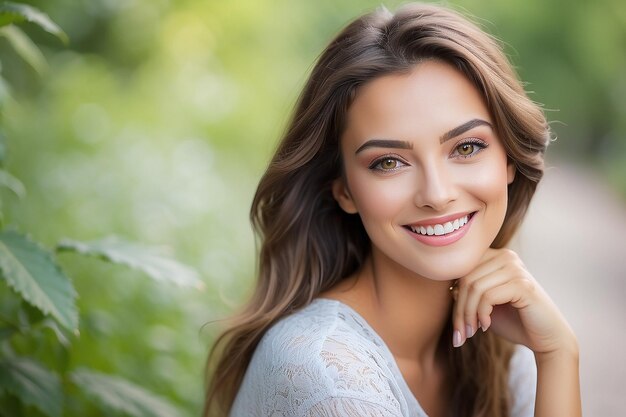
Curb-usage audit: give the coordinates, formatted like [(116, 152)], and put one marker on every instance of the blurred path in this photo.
[(572, 241)]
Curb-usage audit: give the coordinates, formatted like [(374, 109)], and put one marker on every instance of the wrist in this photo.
[(568, 351)]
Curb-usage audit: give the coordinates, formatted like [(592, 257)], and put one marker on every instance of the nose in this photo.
[(435, 187)]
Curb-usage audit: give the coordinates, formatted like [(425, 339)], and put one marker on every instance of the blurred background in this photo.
[(156, 121)]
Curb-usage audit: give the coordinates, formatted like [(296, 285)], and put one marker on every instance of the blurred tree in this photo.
[(39, 299), (159, 117)]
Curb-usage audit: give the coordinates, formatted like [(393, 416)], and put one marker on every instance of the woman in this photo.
[(384, 286)]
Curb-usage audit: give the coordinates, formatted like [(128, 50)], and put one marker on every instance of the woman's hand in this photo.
[(501, 295)]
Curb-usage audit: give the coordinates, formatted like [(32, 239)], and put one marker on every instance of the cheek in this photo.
[(380, 198), (487, 180), (488, 183)]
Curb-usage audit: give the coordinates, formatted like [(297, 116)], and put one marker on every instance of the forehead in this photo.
[(426, 102)]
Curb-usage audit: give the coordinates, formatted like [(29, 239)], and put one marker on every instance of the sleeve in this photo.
[(350, 407), (307, 368), (523, 382)]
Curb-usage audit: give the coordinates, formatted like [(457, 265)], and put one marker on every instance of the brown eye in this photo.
[(388, 164), (465, 149)]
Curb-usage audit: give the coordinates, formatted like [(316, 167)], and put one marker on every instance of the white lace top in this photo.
[(325, 360)]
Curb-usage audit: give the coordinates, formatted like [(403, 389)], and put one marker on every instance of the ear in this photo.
[(343, 197), (510, 172)]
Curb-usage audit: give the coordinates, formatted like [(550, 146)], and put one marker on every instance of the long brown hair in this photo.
[(308, 244)]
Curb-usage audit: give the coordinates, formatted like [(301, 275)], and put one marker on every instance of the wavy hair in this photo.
[(308, 244)]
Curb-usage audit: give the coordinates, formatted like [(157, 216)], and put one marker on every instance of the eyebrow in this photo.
[(459, 130), (401, 144), (385, 143)]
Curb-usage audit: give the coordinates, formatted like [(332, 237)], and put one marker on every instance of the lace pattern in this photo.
[(348, 407), (325, 360)]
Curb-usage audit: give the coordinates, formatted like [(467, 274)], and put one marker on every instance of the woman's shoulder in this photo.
[(305, 329), (315, 354), (316, 326), (318, 335)]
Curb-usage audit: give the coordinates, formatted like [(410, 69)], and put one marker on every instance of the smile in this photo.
[(441, 229), (446, 231)]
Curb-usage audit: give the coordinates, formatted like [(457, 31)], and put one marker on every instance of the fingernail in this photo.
[(456, 338), (469, 332), (482, 327)]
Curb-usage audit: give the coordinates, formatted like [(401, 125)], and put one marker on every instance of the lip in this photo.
[(447, 239), (442, 219)]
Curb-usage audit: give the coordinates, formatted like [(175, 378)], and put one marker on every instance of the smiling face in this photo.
[(425, 171)]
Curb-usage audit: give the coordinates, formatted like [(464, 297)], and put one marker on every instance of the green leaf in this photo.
[(32, 384), (3, 148), (152, 261), (32, 273), (119, 395), (18, 13), (9, 181), (58, 332), (5, 94), (25, 48), (7, 332)]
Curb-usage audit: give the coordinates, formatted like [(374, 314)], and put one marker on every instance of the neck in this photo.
[(408, 311)]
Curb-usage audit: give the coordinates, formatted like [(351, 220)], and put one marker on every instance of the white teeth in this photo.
[(441, 229)]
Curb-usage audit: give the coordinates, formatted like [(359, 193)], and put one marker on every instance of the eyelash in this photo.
[(373, 166), (473, 141)]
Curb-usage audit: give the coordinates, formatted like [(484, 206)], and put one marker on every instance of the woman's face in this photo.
[(425, 170)]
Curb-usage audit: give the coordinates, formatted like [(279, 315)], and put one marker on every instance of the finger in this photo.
[(466, 324), (511, 292), (465, 321), (495, 259), (459, 333), (474, 294)]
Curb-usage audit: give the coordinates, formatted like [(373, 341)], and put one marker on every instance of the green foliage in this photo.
[(154, 263), (121, 396), (156, 123), (9, 181), (13, 13), (38, 297), (24, 47), (31, 272), (2, 139), (34, 275), (32, 384)]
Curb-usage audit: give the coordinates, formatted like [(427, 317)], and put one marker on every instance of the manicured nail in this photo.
[(456, 339), (482, 327), (469, 332)]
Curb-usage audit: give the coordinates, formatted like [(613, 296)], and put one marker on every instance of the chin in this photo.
[(450, 270), (446, 275)]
